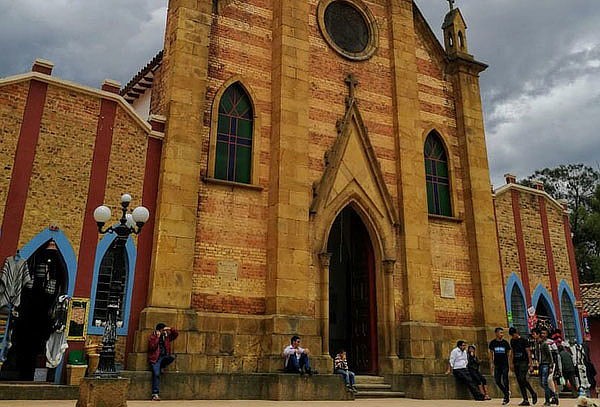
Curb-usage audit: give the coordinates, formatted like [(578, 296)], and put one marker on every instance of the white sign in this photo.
[(447, 288), (226, 268)]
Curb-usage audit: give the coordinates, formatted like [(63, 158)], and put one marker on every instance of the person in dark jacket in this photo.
[(473, 368), (159, 354), (546, 364), (569, 371)]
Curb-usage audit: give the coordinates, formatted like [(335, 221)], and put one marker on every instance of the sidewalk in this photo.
[(261, 403)]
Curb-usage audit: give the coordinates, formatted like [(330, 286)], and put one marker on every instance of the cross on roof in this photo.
[(352, 84), (451, 2)]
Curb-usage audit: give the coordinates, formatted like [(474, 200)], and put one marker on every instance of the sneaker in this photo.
[(534, 398), (524, 403), (354, 389), (554, 400), (505, 402), (547, 403), (486, 397), (155, 397)]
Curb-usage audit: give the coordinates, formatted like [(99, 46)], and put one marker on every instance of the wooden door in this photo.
[(362, 303)]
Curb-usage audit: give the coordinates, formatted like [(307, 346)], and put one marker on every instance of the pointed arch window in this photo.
[(568, 316), (518, 310), (437, 176), (233, 155), (114, 270)]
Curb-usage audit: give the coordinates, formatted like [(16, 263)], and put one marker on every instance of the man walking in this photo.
[(458, 363), (159, 354), (545, 358), (522, 363), (499, 356)]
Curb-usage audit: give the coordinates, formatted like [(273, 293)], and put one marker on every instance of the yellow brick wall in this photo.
[(61, 168), (12, 106), (450, 259), (535, 251), (127, 163), (559, 243), (232, 226), (507, 237)]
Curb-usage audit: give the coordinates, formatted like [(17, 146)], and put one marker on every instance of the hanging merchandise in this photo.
[(580, 363), (55, 348), (15, 276), (59, 312)]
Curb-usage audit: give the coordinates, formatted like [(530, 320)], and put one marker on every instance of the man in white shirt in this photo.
[(296, 358), (458, 363)]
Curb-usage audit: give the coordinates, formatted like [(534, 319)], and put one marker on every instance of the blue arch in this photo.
[(65, 248), (101, 250), (68, 254), (513, 280), (540, 292), (564, 287)]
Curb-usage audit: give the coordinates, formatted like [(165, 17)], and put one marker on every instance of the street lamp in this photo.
[(130, 223)]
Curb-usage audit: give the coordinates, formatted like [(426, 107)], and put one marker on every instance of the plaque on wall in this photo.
[(447, 288), (77, 319), (228, 269)]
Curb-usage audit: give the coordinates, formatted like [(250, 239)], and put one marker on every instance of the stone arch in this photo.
[(256, 127), (565, 290)]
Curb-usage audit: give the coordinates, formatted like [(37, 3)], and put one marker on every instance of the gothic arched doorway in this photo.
[(352, 302), (34, 324)]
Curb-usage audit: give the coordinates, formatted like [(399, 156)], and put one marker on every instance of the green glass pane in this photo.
[(221, 161), (444, 198), (442, 169), (245, 129), (225, 106), (428, 148), (243, 160), (430, 198), (243, 106), (223, 125)]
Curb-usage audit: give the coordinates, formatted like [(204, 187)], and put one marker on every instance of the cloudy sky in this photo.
[(541, 93)]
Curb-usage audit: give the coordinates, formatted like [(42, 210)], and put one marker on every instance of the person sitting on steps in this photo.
[(159, 354), (296, 358), (340, 366)]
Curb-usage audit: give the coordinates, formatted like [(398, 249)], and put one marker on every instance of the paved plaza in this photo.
[(261, 403)]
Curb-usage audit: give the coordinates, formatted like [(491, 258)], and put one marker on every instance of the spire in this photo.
[(455, 31)]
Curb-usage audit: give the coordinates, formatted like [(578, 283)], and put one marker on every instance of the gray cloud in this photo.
[(541, 95), (87, 40)]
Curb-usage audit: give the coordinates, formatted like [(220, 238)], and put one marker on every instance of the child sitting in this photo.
[(340, 366)]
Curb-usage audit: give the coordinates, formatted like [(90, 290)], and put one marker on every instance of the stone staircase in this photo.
[(371, 387)]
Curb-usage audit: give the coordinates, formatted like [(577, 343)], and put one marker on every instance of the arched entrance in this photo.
[(34, 324), (352, 302)]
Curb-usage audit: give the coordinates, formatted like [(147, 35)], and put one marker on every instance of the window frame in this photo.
[(435, 133), (103, 246), (214, 123), (563, 289)]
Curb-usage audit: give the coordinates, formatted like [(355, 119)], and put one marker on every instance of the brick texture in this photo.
[(12, 106)]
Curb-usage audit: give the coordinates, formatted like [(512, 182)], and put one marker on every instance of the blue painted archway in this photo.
[(513, 281), (541, 294), (563, 287), (68, 255), (101, 250), (64, 247)]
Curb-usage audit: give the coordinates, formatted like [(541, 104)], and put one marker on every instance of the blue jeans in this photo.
[(544, 371), (348, 376), (295, 365), (161, 363)]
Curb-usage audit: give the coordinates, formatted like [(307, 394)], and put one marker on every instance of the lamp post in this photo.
[(130, 223)]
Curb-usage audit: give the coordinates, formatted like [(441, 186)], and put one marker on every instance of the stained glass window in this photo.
[(436, 172), (113, 269), (568, 316), (517, 305), (234, 136)]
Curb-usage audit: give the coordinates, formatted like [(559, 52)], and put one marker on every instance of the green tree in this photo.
[(579, 185)]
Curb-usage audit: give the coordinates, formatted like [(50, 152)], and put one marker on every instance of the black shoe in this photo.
[(311, 372), (505, 402), (554, 400), (524, 403), (534, 398)]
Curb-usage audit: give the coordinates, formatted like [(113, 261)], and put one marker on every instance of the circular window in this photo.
[(348, 27)]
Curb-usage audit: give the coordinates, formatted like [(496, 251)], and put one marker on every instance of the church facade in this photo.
[(313, 167)]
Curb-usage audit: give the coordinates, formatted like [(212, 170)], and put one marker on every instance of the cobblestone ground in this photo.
[(260, 403)]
